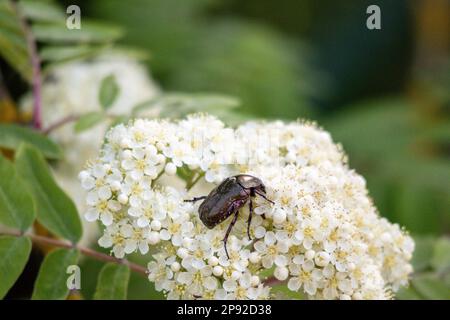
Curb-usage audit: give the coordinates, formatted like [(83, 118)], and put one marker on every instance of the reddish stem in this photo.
[(60, 123), (36, 68), (272, 281), (86, 251)]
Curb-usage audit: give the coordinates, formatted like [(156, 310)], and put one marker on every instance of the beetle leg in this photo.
[(250, 214), (196, 199), (262, 195), (225, 239)]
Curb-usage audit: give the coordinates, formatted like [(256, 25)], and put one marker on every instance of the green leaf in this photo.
[(62, 53), (112, 282), (137, 288), (16, 204), (122, 119), (431, 287), (41, 11), (423, 252), (51, 283), (407, 294), (441, 255), (88, 120), (109, 91), (11, 136), (179, 104), (92, 32), (13, 45), (144, 106), (142, 290), (136, 53), (185, 173), (283, 292), (54, 209), (14, 253)]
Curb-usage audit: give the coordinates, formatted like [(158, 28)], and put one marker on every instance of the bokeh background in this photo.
[(384, 94)]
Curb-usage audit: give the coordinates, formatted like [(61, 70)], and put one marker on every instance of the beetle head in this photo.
[(262, 188), (248, 181)]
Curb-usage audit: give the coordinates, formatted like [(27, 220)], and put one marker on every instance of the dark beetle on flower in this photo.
[(226, 200)]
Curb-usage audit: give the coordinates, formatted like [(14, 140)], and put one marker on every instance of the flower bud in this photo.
[(310, 254), (122, 198), (217, 271), (170, 169), (155, 225), (175, 267)]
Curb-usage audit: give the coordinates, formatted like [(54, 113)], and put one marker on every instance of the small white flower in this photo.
[(270, 249), (322, 234), (101, 207)]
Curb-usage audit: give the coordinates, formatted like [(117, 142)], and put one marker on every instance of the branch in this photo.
[(193, 181), (272, 281), (60, 123), (71, 118), (36, 68), (86, 251)]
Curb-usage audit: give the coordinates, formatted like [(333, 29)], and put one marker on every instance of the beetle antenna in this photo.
[(195, 199), (226, 251), (262, 195)]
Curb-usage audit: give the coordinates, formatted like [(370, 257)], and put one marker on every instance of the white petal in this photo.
[(104, 193), (126, 230), (210, 283), (143, 247), (294, 284), (105, 241), (220, 294), (281, 273), (88, 183), (267, 262), (118, 252), (134, 212), (270, 238), (164, 234), (136, 174), (139, 153), (128, 164), (106, 218), (299, 259), (135, 201), (142, 222), (114, 205), (92, 198), (130, 246), (310, 288), (281, 261), (229, 285), (260, 231), (185, 277), (91, 214)]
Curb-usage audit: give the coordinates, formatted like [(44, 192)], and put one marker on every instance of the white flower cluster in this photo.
[(322, 236), (73, 89)]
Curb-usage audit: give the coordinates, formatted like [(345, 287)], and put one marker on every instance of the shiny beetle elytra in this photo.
[(226, 200)]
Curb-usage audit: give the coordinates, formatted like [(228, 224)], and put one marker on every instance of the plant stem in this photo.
[(157, 177), (36, 68), (86, 251), (194, 181), (272, 281), (60, 123)]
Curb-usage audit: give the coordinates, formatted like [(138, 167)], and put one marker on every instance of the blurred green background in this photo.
[(384, 94)]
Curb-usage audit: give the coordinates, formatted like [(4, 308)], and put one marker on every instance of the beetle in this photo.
[(227, 198)]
